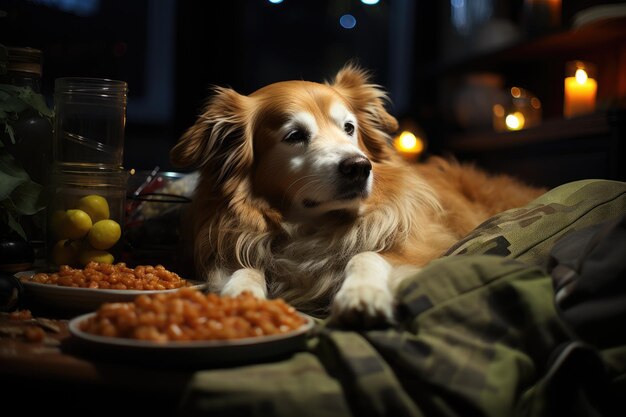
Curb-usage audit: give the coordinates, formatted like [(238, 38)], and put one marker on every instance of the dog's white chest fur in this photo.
[(307, 267), (310, 265)]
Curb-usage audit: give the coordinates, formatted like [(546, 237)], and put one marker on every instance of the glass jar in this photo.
[(90, 117), (475, 98), (32, 128), (26, 135), (86, 216)]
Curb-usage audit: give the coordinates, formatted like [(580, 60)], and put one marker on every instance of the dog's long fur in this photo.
[(271, 215)]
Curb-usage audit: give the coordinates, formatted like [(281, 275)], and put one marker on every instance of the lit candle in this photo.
[(409, 145), (580, 91)]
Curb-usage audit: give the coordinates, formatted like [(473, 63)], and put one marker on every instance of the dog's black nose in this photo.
[(356, 168)]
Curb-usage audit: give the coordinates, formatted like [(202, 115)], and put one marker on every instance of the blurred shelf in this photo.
[(549, 131), (603, 34), (559, 150), (555, 152)]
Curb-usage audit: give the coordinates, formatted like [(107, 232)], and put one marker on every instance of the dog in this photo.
[(302, 197)]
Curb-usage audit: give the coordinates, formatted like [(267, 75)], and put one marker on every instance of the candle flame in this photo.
[(409, 143), (581, 76), (515, 121), (408, 140)]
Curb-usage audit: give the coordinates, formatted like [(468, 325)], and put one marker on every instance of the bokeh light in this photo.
[(347, 21)]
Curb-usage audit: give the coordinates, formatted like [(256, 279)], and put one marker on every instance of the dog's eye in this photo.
[(348, 127), (297, 136)]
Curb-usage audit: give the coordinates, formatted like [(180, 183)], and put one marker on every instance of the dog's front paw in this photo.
[(235, 290), (245, 280), (362, 306)]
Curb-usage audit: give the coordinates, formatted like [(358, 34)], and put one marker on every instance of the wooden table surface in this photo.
[(59, 374)]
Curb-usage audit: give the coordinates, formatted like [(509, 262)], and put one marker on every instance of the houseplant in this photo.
[(19, 195)]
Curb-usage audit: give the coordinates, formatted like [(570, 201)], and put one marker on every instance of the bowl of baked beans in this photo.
[(85, 289), (195, 326)]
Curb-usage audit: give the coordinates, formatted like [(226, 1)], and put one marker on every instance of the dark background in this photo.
[(170, 52)]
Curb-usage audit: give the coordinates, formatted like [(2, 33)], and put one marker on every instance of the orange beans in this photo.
[(115, 277), (20, 315), (34, 334), (188, 314)]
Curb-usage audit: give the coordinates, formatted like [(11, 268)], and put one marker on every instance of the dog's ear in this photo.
[(368, 100), (220, 138)]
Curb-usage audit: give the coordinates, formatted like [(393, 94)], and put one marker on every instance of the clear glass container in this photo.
[(26, 135), (90, 118), (33, 126), (86, 216)]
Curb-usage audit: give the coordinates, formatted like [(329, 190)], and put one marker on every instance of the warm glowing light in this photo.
[(521, 110), (515, 121), (132, 171), (408, 141), (498, 110), (580, 89), (408, 144), (581, 76), (535, 103)]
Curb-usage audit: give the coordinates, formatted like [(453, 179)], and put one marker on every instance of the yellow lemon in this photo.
[(64, 253), (95, 206), (56, 223), (104, 234), (93, 255), (76, 225)]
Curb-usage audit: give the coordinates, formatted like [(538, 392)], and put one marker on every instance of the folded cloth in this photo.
[(528, 233), (589, 271), (478, 335)]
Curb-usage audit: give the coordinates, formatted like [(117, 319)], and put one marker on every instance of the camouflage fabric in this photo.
[(478, 335), (299, 386), (528, 233)]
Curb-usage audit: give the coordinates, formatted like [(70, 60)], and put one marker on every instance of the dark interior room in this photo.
[(313, 207), (444, 65)]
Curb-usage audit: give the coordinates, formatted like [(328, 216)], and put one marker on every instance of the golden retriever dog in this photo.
[(301, 196)]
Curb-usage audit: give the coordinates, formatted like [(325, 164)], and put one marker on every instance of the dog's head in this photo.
[(304, 148)]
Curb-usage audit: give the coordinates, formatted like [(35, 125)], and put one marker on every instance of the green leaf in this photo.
[(15, 225), (34, 100), (10, 166), (26, 199), (14, 104), (10, 89), (15, 99), (4, 95), (9, 131), (4, 58), (39, 104), (11, 175)]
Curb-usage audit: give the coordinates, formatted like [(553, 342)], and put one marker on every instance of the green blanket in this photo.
[(478, 335)]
